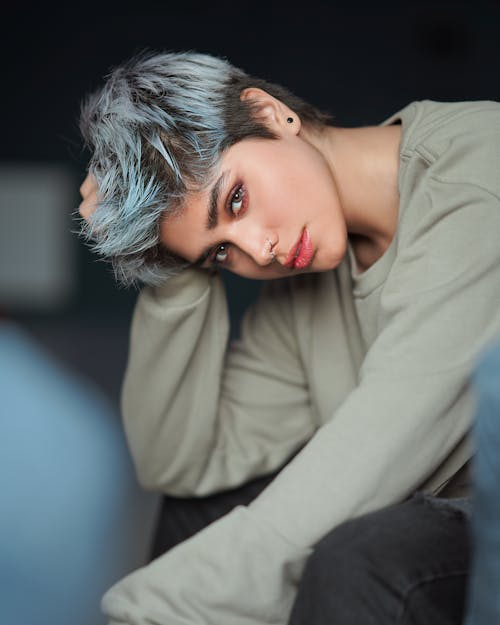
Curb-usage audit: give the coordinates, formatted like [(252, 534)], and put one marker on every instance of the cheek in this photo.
[(287, 201), (310, 188)]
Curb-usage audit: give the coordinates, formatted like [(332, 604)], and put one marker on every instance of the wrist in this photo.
[(185, 288)]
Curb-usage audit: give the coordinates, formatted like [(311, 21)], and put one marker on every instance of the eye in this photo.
[(236, 203), (221, 254)]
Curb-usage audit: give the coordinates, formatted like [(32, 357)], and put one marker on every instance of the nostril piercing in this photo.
[(268, 249)]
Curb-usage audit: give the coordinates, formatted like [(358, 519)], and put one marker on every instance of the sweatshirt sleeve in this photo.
[(413, 405), (199, 417), (411, 408)]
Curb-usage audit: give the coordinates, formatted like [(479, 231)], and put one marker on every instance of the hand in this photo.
[(89, 193), (236, 571)]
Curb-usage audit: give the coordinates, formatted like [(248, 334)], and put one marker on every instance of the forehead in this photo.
[(196, 201)]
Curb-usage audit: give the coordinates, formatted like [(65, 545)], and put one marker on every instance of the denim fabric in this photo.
[(484, 591), (417, 552), (406, 564)]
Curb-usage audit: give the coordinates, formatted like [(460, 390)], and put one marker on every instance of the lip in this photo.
[(300, 255)]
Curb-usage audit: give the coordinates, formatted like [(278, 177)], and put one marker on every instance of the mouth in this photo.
[(300, 255)]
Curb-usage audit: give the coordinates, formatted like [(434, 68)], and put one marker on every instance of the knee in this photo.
[(338, 579), (365, 569), (346, 553)]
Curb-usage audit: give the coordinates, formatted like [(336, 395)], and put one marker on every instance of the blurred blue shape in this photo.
[(73, 519), (484, 589)]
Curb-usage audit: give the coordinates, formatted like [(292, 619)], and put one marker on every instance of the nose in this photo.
[(256, 243)]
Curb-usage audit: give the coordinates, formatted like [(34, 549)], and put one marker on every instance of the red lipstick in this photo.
[(300, 256)]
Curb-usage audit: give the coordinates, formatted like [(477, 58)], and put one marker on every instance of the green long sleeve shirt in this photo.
[(361, 378)]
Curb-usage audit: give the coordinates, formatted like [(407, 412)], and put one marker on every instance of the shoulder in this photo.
[(449, 188), (456, 141), (424, 119)]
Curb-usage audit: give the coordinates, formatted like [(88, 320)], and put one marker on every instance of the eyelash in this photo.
[(239, 189)]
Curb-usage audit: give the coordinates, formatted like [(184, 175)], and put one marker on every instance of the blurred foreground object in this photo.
[(484, 589), (73, 519), (37, 249)]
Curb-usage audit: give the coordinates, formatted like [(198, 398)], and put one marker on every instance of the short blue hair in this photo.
[(156, 130)]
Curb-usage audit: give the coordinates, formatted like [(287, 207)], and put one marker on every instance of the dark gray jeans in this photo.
[(406, 564)]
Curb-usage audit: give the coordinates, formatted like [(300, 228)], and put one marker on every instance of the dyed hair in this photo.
[(156, 130)]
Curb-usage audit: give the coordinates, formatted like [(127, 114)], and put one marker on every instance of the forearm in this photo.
[(200, 418), (379, 447), (171, 386)]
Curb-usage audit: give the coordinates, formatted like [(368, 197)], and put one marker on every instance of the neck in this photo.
[(364, 163)]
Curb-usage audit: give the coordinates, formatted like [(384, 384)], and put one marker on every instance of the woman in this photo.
[(353, 370)]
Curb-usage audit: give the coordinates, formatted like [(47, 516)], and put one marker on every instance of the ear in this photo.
[(271, 111)]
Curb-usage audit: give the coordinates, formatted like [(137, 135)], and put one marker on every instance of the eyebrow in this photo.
[(212, 213), (213, 203)]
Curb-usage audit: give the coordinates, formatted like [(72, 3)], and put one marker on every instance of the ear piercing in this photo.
[(289, 120)]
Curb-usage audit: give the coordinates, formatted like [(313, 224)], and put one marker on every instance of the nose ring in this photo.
[(269, 250)]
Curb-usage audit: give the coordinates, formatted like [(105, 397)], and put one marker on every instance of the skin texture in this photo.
[(337, 182), (90, 199), (287, 187)]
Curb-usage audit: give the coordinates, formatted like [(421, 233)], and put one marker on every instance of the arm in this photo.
[(198, 417), (413, 404)]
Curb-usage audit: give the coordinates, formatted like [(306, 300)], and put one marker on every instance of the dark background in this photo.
[(361, 61)]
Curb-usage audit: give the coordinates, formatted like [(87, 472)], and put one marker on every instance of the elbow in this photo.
[(171, 481), (148, 481)]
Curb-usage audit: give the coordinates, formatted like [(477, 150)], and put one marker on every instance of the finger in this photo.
[(88, 186), (89, 193), (88, 206)]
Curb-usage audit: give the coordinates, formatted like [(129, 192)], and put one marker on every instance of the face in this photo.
[(272, 211)]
